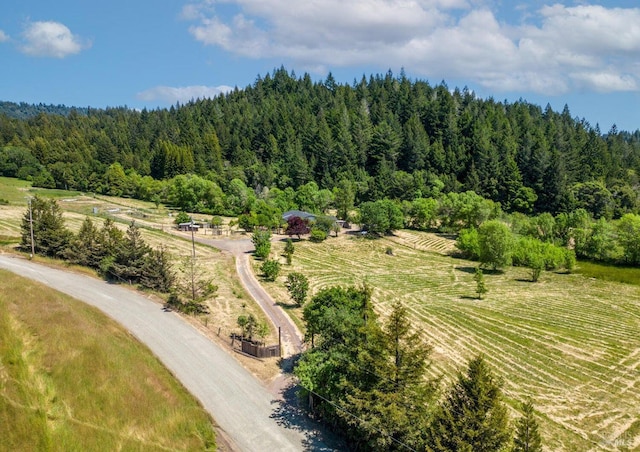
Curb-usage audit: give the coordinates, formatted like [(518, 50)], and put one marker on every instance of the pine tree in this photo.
[(86, 247), (129, 259), (481, 288), (387, 388), (156, 272), (473, 416), (50, 236), (527, 437)]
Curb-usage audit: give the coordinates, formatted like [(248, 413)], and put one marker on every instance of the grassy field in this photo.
[(627, 275), (570, 342), (72, 379)]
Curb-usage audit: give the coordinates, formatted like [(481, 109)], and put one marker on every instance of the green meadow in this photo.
[(72, 379)]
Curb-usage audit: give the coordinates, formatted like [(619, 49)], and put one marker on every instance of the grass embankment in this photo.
[(72, 379), (568, 341)]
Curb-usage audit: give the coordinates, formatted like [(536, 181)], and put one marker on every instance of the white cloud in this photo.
[(50, 39), (568, 48), (3, 36), (605, 81), (182, 94)]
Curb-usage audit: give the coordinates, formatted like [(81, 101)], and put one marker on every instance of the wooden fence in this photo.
[(260, 351)]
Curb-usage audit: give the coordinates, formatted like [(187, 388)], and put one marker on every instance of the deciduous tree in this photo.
[(262, 243), (495, 243), (381, 217), (297, 284), (270, 269), (629, 238), (297, 226), (289, 249)]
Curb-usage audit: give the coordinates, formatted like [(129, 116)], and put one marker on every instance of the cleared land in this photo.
[(569, 342), (89, 387)]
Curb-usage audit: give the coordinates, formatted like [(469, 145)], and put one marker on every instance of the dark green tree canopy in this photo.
[(473, 416), (385, 136), (50, 236), (365, 377)]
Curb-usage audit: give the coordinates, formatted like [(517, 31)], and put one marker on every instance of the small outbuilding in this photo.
[(188, 227)]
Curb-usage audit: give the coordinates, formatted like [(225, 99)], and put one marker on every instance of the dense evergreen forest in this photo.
[(24, 110), (388, 136)]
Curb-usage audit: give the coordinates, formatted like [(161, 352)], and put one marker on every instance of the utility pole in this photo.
[(193, 264), (33, 247)]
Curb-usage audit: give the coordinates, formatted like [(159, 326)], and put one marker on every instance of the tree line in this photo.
[(122, 257), (387, 136)]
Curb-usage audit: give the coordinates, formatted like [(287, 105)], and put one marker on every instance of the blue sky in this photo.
[(154, 53)]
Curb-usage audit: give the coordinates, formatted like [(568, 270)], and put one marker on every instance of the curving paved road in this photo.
[(241, 406)]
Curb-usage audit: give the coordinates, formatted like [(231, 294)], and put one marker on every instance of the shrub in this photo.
[(182, 217), (468, 244), (270, 269), (190, 307), (569, 260), (318, 235), (538, 256), (324, 223)]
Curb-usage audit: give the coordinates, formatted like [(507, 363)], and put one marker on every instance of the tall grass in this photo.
[(72, 379), (626, 275)]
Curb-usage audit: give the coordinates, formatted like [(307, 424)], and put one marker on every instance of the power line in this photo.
[(335, 405)]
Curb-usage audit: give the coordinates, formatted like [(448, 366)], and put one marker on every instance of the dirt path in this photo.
[(291, 337), (242, 407), (241, 249)]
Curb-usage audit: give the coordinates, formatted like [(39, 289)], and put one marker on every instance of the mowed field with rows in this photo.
[(570, 342)]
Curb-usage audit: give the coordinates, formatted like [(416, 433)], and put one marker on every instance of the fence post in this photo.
[(280, 341)]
